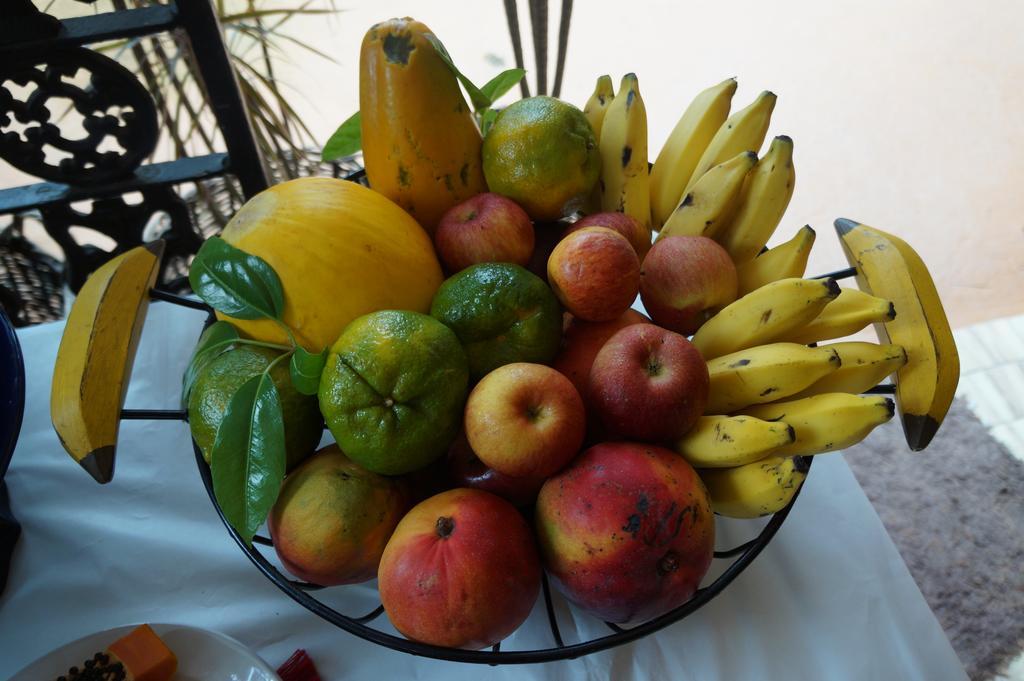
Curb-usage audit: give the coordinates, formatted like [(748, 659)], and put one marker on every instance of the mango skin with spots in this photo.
[(461, 571), (333, 519), (626, 532), (421, 146)]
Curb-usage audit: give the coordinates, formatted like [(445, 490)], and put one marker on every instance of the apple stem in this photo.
[(445, 526)]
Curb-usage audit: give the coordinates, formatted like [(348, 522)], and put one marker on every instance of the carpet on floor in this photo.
[(956, 513)]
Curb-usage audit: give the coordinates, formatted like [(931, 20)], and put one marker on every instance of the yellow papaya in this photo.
[(341, 250), (421, 146)]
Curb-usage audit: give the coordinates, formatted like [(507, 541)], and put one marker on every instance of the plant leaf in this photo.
[(487, 120), (478, 98), (233, 282), (287, 13), (502, 83), (248, 456), (306, 368), (346, 140), (217, 338)]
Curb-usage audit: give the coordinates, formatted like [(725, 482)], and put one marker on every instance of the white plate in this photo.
[(203, 655)]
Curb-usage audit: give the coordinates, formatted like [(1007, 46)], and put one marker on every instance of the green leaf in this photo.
[(233, 282), (502, 83), (346, 140), (478, 98), (216, 339), (248, 456), (487, 120), (306, 368)]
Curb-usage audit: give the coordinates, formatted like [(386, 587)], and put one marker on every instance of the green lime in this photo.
[(393, 390), (541, 152), (225, 374), (501, 313)]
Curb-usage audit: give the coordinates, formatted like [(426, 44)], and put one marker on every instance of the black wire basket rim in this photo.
[(747, 551)]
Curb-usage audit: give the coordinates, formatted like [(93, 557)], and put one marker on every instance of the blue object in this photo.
[(12, 406)]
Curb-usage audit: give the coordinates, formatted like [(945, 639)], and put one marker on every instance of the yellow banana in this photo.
[(743, 131), (826, 422), (725, 441), (595, 109), (709, 206), (766, 196), (755, 489), (888, 267), (95, 357), (782, 262), (625, 184), (847, 314), (946, 355), (864, 365), (679, 156), (764, 374), (598, 104), (764, 315)]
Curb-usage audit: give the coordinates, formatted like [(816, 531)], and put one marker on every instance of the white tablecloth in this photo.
[(829, 598)]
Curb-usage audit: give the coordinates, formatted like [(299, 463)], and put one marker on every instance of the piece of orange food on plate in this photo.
[(140, 655)]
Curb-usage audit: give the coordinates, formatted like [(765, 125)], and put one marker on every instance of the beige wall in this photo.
[(907, 114)]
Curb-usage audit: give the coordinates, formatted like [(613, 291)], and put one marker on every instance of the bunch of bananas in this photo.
[(776, 396), (707, 180)]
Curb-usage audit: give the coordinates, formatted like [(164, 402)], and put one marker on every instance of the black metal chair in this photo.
[(41, 59)]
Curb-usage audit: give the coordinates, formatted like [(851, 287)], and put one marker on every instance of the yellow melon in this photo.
[(341, 251)]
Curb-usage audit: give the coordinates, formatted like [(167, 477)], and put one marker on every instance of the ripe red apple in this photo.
[(595, 273), (465, 469), (637, 234), (582, 340), (461, 570), (484, 228), (648, 384), (685, 280), (525, 420), (626, 532)]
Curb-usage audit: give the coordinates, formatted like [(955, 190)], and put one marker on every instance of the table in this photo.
[(830, 597)]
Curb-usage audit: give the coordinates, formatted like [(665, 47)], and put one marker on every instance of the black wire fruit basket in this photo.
[(305, 593)]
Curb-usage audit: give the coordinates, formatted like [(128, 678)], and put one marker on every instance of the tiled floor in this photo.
[(1015, 672), (992, 383), (992, 377)]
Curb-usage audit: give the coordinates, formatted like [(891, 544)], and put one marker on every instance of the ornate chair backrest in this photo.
[(46, 62)]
